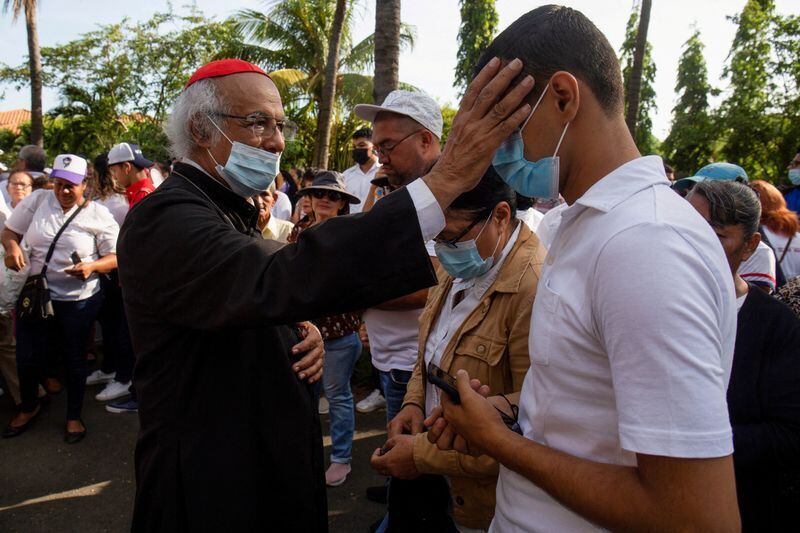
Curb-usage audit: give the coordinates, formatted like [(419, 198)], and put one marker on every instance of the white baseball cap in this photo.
[(69, 167), (415, 105)]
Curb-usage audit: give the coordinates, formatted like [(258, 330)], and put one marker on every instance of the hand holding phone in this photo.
[(444, 381), (76, 259)]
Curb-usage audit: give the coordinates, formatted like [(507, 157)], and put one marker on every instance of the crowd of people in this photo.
[(562, 334)]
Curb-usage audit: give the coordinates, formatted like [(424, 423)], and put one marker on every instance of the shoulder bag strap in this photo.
[(60, 231), (785, 250)]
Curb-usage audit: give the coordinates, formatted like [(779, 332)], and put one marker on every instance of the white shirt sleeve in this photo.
[(107, 231), (429, 214), (660, 312), (760, 267), (22, 216)]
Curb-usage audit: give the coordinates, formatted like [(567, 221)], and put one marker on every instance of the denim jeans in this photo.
[(340, 359), (393, 386), (66, 331)]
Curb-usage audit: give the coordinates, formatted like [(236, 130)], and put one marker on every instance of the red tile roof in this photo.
[(13, 119)]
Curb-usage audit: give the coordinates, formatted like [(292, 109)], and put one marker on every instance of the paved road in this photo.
[(47, 485)]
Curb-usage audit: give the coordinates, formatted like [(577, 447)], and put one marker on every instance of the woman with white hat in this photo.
[(72, 241)]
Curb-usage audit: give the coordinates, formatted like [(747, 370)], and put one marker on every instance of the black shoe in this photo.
[(377, 494), (74, 437), (12, 431)]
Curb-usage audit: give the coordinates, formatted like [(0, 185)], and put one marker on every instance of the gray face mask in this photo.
[(249, 170)]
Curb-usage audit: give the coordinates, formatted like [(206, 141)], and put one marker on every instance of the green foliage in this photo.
[(117, 82), (448, 114), (749, 128), (690, 143), (290, 39), (478, 27), (786, 99), (645, 139)]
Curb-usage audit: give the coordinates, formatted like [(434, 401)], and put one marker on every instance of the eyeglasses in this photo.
[(264, 126), (451, 243), (332, 195), (385, 151), (19, 184)]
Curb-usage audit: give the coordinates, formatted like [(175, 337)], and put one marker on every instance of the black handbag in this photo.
[(34, 302)]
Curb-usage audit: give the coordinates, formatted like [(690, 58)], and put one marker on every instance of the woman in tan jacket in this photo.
[(476, 318)]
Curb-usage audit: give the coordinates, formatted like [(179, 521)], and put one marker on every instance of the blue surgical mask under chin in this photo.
[(794, 176), (249, 170), (464, 261), (533, 179)]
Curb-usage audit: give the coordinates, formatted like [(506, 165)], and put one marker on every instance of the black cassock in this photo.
[(230, 439)]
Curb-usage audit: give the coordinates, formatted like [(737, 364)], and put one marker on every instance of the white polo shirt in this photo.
[(358, 183), (93, 234), (631, 339)]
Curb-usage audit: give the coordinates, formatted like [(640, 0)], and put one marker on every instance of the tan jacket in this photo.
[(492, 345)]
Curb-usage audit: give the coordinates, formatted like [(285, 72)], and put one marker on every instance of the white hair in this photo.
[(190, 112)]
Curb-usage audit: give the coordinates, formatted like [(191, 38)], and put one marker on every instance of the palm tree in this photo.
[(635, 80), (290, 39), (387, 48), (329, 88), (35, 61)]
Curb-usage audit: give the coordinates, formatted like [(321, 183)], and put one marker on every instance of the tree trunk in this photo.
[(387, 49), (325, 116), (635, 81), (35, 60)]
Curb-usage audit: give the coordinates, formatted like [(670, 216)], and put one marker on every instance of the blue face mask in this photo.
[(249, 170), (464, 261), (794, 176), (533, 179)]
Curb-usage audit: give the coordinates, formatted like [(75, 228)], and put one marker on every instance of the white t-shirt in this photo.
[(451, 316), (358, 183), (791, 262), (394, 335), (759, 268), (118, 205), (93, 234), (531, 217), (282, 208), (631, 339)]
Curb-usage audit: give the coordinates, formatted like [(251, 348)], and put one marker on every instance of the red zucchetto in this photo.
[(223, 67)]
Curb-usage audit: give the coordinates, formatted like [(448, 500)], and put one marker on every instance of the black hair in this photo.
[(731, 203), (552, 38), (104, 185), (489, 192), (523, 202), (363, 133), (668, 169)]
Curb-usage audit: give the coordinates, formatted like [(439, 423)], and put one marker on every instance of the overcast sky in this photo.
[(430, 64)]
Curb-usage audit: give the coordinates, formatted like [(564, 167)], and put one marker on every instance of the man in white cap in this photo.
[(407, 129), (130, 168)]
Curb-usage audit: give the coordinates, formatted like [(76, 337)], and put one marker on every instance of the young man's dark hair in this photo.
[(552, 38), (668, 169), (363, 133)]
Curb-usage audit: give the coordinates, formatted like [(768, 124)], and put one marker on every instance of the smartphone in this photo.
[(75, 258), (444, 381)]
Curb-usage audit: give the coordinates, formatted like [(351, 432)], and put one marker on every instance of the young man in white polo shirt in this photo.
[(623, 410)]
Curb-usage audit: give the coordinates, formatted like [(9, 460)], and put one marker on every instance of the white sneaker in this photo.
[(336, 474), (113, 390), (98, 376), (324, 406), (373, 402)]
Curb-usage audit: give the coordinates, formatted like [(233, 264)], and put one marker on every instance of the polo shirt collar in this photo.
[(624, 182)]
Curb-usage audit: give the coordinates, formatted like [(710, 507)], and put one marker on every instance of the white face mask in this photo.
[(249, 170)]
